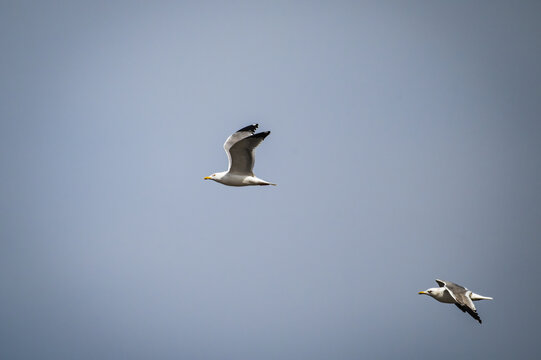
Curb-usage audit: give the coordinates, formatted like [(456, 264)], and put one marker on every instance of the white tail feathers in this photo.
[(476, 297)]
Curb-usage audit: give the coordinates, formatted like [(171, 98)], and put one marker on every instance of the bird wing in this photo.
[(242, 154), (450, 293), (441, 283), (236, 137), (239, 135), (456, 291), (460, 293), (473, 313), (461, 296)]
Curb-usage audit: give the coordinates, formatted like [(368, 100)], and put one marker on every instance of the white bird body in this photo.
[(240, 150), (227, 178), (444, 296), (451, 293)]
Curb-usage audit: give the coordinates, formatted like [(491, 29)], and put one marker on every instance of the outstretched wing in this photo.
[(242, 154), (455, 289), (236, 137), (473, 312), (239, 135), (462, 298), (441, 283)]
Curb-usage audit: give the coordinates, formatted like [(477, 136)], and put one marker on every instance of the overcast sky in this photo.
[(405, 143)]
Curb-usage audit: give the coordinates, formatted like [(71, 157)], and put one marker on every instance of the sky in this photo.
[(405, 142)]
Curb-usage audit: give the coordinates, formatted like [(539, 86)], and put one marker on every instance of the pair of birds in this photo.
[(240, 149)]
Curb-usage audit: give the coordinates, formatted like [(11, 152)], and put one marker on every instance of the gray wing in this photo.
[(473, 313), (242, 154), (459, 293), (441, 283), (462, 298), (236, 137), (239, 135)]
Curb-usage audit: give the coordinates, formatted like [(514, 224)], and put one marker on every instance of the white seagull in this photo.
[(452, 293), (240, 150)]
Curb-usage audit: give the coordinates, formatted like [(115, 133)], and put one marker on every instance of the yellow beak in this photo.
[(207, 178), (422, 292)]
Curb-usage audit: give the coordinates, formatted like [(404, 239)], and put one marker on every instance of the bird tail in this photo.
[(475, 297)]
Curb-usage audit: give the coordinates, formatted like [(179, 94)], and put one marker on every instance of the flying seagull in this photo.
[(240, 150), (452, 293)]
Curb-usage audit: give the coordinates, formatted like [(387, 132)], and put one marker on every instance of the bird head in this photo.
[(434, 292), (215, 176)]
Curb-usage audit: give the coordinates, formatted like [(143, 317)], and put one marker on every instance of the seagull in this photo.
[(452, 293), (240, 150)]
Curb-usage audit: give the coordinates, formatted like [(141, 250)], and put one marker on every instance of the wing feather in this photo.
[(242, 154), (473, 313), (238, 136), (462, 298), (441, 283)]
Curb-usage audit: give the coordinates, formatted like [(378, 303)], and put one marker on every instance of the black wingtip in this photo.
[(262, 135), (472, 313), (250, 128)]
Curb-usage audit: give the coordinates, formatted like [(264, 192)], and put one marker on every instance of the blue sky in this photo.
[(405, 145)]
